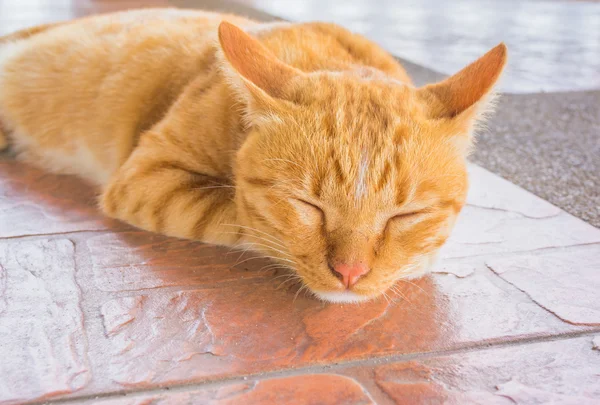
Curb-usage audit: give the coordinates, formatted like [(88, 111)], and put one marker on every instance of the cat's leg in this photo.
[(157, 192)]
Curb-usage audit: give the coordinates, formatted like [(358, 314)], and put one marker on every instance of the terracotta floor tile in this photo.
[(43, 346), (560, 372), (173, 336), (36, 202), (554, 279), (130, 311), (140, 260), (317, 389)]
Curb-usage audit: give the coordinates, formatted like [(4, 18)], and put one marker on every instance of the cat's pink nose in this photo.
[(350, 273)]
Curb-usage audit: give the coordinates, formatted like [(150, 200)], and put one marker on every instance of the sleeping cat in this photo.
[(304, 142)]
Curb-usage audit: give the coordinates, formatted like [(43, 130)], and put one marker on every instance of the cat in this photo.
[(304, 142)]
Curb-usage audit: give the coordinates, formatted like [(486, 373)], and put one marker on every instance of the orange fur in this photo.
[(302, 141)]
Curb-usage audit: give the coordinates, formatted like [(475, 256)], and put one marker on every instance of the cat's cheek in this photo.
[(256, 207)]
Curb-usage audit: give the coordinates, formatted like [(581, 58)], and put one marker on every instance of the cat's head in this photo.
[(354, 180)]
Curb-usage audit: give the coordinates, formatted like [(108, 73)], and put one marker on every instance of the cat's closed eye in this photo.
[(308, 213), (406, 219), (311, 205), (409, 214)]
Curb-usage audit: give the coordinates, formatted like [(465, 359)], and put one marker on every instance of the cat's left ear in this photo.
[(254, 72), (463, 97)]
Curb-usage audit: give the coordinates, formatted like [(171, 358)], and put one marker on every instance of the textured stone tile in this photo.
[(501, 217), (564, 371), (566, 283), (36, 202), (162, 336), (42, 342), (309, 389), (596, 343), (560, 372), (139, 260), (489, 191)]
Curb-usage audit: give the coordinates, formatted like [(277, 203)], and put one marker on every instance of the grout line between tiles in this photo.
[(321, 368), (53, 234), (519, 252)]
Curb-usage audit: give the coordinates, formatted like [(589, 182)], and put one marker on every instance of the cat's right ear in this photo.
[(253, 70), (465, 93)]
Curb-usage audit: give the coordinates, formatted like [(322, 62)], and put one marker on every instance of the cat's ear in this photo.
[(465, 95), (253, 70)]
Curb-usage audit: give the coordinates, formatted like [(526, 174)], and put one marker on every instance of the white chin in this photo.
[(342, 297)]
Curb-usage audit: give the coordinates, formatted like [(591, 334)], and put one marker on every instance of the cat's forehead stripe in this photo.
[(360, 190)]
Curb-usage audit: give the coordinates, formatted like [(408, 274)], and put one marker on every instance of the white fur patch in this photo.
[(342, 297), (421, 266), (361, 182), (81, 162), (9, 50)]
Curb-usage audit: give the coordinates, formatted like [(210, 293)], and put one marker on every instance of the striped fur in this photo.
[(302, 141)]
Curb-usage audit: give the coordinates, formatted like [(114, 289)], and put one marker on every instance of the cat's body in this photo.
[(124, 71), (171, 124)]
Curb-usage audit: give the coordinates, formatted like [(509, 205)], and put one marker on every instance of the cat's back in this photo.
[(76, 95), (316, 46)]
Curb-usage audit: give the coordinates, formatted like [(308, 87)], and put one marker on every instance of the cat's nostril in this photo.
[(349, 274), (338, 275)]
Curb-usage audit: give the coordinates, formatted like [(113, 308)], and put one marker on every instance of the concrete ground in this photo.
[(95, 312)]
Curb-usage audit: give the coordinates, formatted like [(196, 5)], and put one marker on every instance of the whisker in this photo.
[(386, 298), (288, 276), (232, 250), (285, 160), (257, 237), (410, 282), (397, 290), (275, 266), (249, 244), (275, 239), (261, 257), (285, 281), (237, 261), (298, 292), (267, 246)]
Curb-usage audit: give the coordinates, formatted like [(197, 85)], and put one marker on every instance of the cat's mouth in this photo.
[(348, 297), (336, 292)]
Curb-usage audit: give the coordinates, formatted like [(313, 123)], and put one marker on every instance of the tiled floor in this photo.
[(94, 312)]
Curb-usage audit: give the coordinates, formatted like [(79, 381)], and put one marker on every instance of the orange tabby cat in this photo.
[(302, 141)]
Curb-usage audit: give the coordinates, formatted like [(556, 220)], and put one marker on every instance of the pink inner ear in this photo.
[(472, 83), (254, 61)]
